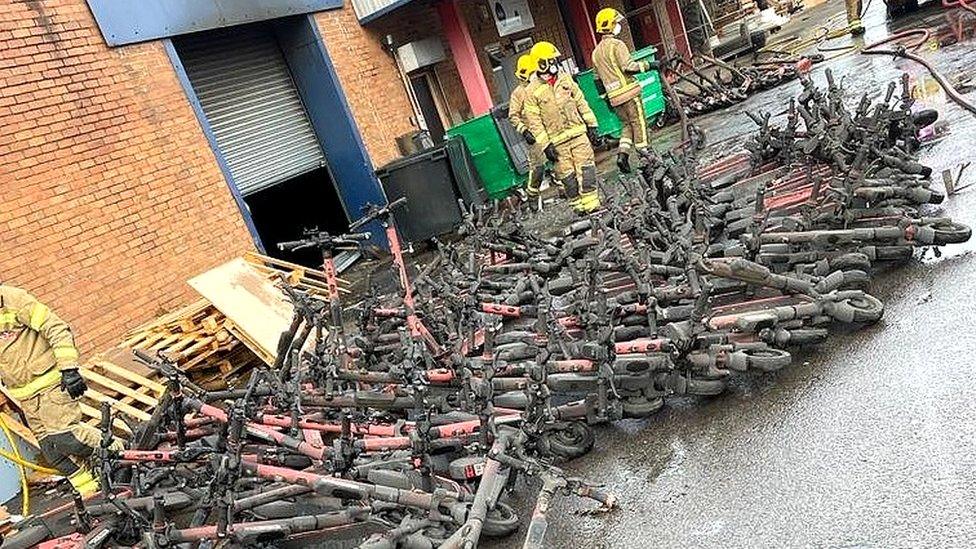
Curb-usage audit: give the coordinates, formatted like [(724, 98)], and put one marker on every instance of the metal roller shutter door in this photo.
[(250, 100)]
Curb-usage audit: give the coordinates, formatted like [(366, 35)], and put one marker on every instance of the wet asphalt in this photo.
[(866, 441)]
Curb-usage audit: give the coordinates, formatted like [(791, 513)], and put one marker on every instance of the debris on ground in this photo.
[(411, 421)]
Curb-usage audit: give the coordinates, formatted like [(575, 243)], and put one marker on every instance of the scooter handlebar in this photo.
[(374, 213)]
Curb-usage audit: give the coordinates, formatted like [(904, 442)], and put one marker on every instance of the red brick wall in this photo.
[(419, 20), (373, 88), (416, 21), (548, 27), (110, 197)]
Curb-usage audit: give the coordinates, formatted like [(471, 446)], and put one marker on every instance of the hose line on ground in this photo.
[(950, 91)]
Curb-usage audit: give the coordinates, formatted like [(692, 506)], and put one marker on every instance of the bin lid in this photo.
[(644, 53), (457, 129), (435, 153)]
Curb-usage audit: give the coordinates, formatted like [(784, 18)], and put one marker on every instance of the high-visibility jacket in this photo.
[(615, 68), (35, 344), (556, 111), (516, 107)]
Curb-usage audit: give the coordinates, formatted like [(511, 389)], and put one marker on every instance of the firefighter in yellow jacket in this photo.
[(525, 72), (39, 368), (563, 126), (615, 72)]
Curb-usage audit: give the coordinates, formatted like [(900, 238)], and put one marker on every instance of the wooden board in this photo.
[(256, 308)]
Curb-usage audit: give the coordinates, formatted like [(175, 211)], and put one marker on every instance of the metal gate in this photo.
[(252, 105)]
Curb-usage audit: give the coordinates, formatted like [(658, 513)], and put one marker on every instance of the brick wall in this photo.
[(373, 88), (548, 27), (417, 21), (110, 197)]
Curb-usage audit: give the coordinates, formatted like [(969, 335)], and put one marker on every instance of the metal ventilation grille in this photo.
[(253, 107)]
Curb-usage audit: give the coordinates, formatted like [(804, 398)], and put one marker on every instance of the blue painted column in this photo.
[(320, 88)]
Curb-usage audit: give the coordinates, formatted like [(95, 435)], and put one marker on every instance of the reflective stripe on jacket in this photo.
[(615, 68), (33, 340), (557, 112), (516, 107)]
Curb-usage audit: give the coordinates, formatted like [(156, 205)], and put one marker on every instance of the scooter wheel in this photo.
[(865, 308), (501, 521), (576, 248), (850, 262), (950, 232), (706, 387), (571, 442), (767, 360), (562, 285), (515, 351), (638, 407)]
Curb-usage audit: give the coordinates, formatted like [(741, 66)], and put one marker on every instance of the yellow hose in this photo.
[(24, 463), (824, 33), (17, 459)]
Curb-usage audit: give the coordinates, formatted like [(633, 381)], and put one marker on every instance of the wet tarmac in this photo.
[(866, 441)]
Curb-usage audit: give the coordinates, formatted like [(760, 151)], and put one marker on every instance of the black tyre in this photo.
[(501, 521), (570, 442), (850, 262), (950, 232), (768, 360), (561, 285), (862, 309), (578, 247), (707, 387), (639, 407), (512, 352)]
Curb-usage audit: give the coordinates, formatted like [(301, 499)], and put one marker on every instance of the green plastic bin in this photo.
[(490, 156), (651, 92), (608, 122)]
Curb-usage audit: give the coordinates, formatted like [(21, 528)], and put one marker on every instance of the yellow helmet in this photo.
[(607, 19), (545, 55), (525, 67), (545, 51)]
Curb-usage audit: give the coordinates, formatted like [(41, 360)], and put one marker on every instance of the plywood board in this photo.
[(250, 300)]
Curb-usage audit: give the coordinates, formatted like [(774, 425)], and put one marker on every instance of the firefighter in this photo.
[(854, 17), (39, 369), (525, 72), (564, 127), (615, 74)]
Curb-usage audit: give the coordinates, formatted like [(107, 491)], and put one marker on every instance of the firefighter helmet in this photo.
[(607, 19), (525, 67), (546, 55)]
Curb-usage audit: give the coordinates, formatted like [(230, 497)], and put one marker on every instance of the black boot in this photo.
[(623, 163)]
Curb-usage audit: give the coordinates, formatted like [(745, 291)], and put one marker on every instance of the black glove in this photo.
[(529, 138), (593, 136), (72, 383), (551, 153), (600, 88), (653, 66)]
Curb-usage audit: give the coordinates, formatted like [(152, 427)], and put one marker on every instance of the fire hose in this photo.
[(903, 51)]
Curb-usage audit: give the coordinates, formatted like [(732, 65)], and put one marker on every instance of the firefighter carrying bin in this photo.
[(563, 127), (39, 369), (615, 72)]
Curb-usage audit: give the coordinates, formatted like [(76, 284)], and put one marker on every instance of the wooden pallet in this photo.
[(130, 389), (309, 280), (196, 337)]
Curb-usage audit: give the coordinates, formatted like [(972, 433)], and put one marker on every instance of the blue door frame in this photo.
[(321, 91)]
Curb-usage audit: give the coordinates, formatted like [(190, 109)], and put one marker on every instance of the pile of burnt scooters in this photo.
[(411, 424), (709, 84)]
